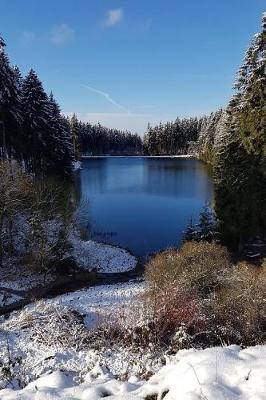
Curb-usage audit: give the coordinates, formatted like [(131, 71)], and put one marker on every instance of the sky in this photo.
[(129, 62)]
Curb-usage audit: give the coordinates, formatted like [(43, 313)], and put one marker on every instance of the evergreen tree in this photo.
[(36, 125), (74, 128), (171, 138), (240, 171), (191, 232), (206, 226), (59, 144), (249, 109), (10, 112)]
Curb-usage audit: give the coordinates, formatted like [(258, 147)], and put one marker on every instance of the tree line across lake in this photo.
[(34, 132)]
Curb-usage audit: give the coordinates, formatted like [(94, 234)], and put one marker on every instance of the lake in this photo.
[(142, 204)]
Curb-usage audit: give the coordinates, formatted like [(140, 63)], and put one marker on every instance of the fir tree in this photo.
[(74, 128), (191, 232), (59, 147), (240, 171), (10, 112), (36, 124), (206, 224)]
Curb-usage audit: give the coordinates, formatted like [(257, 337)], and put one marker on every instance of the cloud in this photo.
[(107, 97), (113, 17), (61, 34), (27, 37)]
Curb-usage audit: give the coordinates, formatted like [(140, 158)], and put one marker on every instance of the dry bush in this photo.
[(35, 219), (180, 285), (158, 318), (51, 325), (128, 327), (15, 189), (176, 312), (197, 265), (240, 305)]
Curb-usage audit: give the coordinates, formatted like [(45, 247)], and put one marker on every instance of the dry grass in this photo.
[(199, 289), (240, 305), (197, 265), (51, 325)]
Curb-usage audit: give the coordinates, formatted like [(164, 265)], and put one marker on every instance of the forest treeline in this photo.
[(32, 129), (35, 133), (98, 140), (233, 141), (197, 136)]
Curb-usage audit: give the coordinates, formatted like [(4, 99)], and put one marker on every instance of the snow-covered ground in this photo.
[(98, 302), (7, 298), (54, 334), (102, 257), (23, 279), (45, 347), (212, 374), (89, 255)]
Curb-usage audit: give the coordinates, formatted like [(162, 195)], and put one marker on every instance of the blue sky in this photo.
[(127, 63)]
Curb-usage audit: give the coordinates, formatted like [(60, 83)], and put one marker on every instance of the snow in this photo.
[(27, 280), (45, 347), (96, 302), (102, 257), (76, 165), (8, 298), (47, 336), (212, 374), (16, 281)]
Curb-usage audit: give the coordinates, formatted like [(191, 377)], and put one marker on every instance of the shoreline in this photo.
[(77, 279), (140, 156)]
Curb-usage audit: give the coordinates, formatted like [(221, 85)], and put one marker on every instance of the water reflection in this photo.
[(140, 203)]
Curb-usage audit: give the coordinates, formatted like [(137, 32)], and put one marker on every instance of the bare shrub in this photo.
[(240, 305), (35, 219), (15, 189), (51, 325), (156, 319), (175, 313), (197, 265), (181, 285)]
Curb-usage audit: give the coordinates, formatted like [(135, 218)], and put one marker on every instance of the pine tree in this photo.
[(59, 147), (191, 232), (240, 171), (206, 224), (74, 127), (251, 96), (10, 112), (36, 124)]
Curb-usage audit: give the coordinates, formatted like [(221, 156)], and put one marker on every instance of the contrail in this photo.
[(107, 97)]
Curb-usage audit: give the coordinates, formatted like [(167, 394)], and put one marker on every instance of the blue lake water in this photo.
[(142, 204)]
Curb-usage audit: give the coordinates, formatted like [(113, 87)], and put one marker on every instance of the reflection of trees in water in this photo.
[(171, 177), (81, 204), (83, 219), (162, 177), (105, 186), (93, 175)]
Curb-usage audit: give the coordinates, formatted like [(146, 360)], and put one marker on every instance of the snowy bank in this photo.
[(105, 258), (95, 303), (52, 334), (213, 374)]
